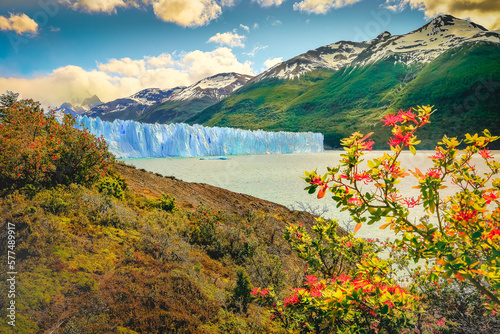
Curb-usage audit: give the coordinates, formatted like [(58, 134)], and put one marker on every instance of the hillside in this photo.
[(91, 263)]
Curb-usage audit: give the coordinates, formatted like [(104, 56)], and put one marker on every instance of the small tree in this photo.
[(8, 99), (39, 151), (241, 293), (460, 234)]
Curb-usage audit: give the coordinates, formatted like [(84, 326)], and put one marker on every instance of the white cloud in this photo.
[(321, 6), (256, 49), (227, 3), (123, 77), (124, 67), (484, 12), (162, 60), (256, 25), (228, 38), (274, 21), (204, 64), (188, 13), (107, 6), (274, 61), (246, 28), (268, 3), (20, 23)]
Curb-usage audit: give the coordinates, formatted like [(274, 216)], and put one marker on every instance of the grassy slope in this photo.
[(353, 99), (89, 263)]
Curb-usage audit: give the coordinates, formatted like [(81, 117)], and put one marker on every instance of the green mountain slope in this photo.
[(354, 98), (464, 85)]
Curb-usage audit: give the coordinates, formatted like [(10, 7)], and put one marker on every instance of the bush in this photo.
[(39, 151), (111, 187), (165, 203), (458, 236), (221, 236)]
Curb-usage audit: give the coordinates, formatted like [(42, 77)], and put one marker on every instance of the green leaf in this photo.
[(412, 149), (385, 309), (476, 235)]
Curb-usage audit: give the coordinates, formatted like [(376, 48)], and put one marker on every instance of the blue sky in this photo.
[(67, 50)]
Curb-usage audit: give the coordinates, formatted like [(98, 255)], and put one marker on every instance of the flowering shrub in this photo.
[(348, 288), (38, 151), (459, 235)]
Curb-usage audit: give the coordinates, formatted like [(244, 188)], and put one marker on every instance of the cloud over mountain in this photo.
[(122, 77)]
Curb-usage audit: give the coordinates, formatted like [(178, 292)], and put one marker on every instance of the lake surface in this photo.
[(277, 178)]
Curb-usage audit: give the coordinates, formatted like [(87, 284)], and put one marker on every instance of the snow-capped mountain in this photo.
[(419, 46), (189, 101), (130, 107), (177, 104), (77, 108), (216, 87)]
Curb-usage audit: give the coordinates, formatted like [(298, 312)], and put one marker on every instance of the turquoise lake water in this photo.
[(277, 178)]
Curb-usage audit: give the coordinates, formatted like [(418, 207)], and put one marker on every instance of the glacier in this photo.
[(130, 139)]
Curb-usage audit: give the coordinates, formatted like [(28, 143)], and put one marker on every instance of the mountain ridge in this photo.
[(376, 81)]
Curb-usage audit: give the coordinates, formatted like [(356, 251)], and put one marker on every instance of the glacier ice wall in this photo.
[(129, 139)]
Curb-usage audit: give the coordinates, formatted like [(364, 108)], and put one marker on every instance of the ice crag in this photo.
[(129, 139)]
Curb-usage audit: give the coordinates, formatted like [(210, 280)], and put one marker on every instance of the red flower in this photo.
[(399, 137), (391, 119), (316, 180), (343, 278), (433, 173), (291, 300), (485, 153), (363, 177), (255, 291), (355, 200), (490, 197), (465, 215), (438, 156), (409, 116), (389, 303), (311, 280), (315, 293), (367, 145), (264, 292), (411, 202), (494, 234)]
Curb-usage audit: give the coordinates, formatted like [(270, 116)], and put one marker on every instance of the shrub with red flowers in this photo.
[(348, 288), (37, 150), (459, 236)]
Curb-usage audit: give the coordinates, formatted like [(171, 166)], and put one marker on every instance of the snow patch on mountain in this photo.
[(216, 87), (139, 102), (79, 107)]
